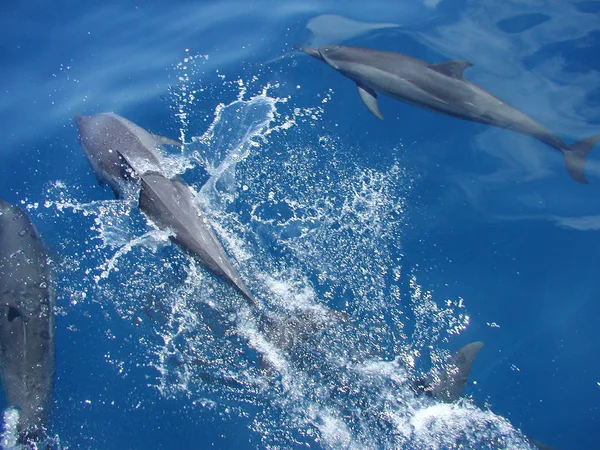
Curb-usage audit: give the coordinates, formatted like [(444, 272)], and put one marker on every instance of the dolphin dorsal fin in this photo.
[(452, 69), (161, 140), (451, 383)]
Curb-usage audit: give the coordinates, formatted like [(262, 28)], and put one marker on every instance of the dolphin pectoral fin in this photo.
[(161, 140), (576, 156), (369, 98), (452, 69), (100, 179)]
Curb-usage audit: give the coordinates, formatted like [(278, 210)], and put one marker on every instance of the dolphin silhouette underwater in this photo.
[(123, 154), (440, 88), (26, 323)]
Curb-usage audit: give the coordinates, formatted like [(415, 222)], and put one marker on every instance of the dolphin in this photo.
[(169, 203), (440, 88), (26, 322), (114, 146)]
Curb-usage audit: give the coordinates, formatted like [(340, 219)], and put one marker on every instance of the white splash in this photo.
[(308, 229), (10, 434)]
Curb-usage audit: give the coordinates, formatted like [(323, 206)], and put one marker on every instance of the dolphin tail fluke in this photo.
[(576, 156), (35, 437), (453, 379), (334, 316)]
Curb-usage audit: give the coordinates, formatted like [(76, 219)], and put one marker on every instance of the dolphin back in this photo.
[(26, 320), (338, 55), (170, 205)]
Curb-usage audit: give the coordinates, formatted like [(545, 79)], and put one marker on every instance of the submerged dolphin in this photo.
[(114, 145), (287, 332), (440, 88), (26, 322), (170, 205)]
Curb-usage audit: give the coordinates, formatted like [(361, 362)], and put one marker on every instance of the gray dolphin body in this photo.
[(170, 205), (122, 153), (440, 88), (115, 145), (26, 321)]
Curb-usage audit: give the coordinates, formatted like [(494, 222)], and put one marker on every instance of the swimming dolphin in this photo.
[(108, 138), (26, 322), (440, 88), (169, 203)]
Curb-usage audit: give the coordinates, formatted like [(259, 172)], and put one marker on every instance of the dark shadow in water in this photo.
[(522, 22), (592, 7)]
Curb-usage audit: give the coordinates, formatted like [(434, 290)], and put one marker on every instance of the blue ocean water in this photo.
[(430, 232)]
